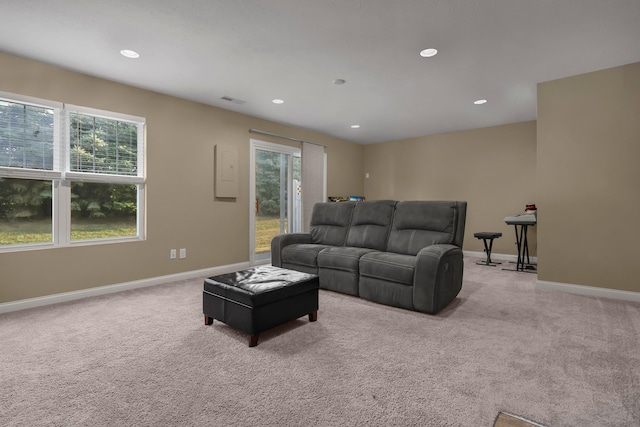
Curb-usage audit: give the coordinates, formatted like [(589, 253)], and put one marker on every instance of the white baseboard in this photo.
[(499, 257), (588, 290), (564, 287), (109, 289)]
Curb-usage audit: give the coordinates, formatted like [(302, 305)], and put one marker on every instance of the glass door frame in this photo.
[(254, 258)]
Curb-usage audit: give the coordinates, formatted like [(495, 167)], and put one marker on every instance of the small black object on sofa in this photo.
[(404, 254)]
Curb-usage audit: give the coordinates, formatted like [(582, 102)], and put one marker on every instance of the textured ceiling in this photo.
[(258, 50)]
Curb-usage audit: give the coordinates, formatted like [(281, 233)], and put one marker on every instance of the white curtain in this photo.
[(312, 180)]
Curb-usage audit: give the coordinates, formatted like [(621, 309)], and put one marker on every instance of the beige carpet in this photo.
[(145, 358)]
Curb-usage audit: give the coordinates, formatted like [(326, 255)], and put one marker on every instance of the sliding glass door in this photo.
[(275, 192)]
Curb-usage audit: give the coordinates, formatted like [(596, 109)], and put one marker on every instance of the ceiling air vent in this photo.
[(235, 101)]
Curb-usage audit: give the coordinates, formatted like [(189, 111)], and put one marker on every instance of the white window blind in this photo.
[(28, 137), (102, 143)]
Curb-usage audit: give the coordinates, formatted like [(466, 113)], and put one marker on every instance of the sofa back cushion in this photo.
[(417, 224), (370, 224), (330, 222)]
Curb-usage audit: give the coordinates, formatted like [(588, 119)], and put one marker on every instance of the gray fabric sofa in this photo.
[(404, 254)]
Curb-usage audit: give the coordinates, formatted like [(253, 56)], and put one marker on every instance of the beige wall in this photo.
[(181, 210), (588, 179), (578, 163), (492, 168)]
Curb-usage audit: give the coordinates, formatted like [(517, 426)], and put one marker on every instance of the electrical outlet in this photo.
[(183, 253), (172, 254)]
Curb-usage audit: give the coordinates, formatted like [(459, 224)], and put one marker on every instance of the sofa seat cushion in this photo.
[(388, 266), (304, 254), (342, 258)]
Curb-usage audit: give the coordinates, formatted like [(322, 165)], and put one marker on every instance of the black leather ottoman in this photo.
[(260, 298)]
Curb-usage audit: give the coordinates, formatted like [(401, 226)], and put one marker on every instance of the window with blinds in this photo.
[(86, 162), (26, 136), (104, 146)]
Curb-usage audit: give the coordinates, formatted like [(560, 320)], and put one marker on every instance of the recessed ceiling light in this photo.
[(355, 126), (129, 53), (428, 53), (278, 101), (480, 101), (339, 81)]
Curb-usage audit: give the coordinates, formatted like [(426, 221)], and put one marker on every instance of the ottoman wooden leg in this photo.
[(253, 340), (313, 316), (208, 320)]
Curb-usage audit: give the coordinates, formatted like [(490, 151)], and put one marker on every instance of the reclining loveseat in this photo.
[(404, 254)]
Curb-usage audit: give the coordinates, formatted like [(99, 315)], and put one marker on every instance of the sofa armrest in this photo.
[(437, 277), (279, 242)]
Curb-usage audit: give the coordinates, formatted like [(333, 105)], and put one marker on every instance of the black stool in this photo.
[(487, 235)]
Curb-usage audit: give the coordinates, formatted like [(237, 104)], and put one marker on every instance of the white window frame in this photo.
[(62, 177)]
